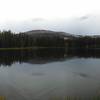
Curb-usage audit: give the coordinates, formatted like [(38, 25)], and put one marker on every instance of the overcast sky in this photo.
[(63, 15)]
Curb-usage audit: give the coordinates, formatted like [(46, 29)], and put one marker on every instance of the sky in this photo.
[(76, 16)]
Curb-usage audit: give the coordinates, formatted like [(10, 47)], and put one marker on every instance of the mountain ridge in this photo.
[(48, 32)]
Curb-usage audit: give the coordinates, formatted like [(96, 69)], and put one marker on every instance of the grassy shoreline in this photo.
[(27, 48)]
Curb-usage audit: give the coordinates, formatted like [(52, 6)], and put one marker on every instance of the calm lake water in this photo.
[(50, 74)]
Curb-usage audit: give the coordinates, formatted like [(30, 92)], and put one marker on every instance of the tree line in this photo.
[(84, 42), (9, 39)]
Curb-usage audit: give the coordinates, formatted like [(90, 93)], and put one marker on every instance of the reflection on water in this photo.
[(82, 75), (37, 56), (45, 55), (50, 74)]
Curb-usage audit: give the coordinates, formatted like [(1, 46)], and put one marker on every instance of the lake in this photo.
[(50, 74)]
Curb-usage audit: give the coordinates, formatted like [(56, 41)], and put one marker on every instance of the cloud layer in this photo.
[(84, 25)]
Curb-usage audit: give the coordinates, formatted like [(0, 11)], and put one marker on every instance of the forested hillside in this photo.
[(44, 38), (11, 40)]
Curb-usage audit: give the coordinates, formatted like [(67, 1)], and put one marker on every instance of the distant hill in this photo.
[(49, 33)]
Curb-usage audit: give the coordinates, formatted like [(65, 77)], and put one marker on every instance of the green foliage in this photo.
[(84, 42), (20, 40), (9, 39)]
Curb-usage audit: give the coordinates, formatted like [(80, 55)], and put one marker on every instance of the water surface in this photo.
[(49, 74)]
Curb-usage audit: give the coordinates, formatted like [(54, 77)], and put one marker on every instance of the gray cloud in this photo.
[(38, 19), (88, 24), (84, 17)]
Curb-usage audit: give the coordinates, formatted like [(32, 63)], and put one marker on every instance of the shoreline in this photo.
[(27, 48)]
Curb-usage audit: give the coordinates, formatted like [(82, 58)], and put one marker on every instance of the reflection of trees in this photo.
[(8, 57), (46, 55), (85, 53)]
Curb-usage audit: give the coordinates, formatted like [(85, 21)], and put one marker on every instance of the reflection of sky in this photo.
[(52, 79)]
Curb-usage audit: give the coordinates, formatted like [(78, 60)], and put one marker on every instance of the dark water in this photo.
[(50, 74)]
